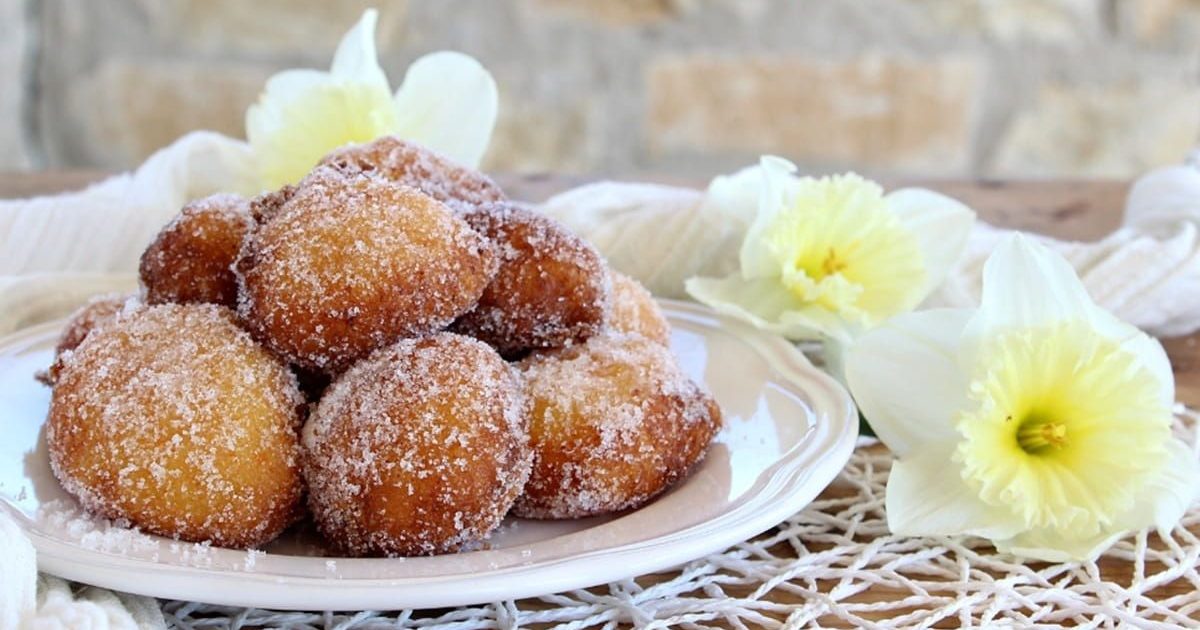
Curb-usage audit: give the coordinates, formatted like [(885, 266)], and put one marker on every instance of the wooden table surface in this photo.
[(1082, 210)]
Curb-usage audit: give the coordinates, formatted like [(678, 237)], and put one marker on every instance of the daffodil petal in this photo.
[(736, 195), (448, 103), (1146, 349), (304, 114), (834, 353), (1165, 498), (1027, 285), (267, 117), (941, 225), (767, 305), (356, 59), (927, 497), (288, 85), (815, 322), (1149, 352), (1024, 285), (1051, 545), (756, 259), (906, 379)]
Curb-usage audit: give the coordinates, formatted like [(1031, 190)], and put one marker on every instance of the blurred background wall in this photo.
[(674, 87)]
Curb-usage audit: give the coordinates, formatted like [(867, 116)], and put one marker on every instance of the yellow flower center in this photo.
[(1068, 426), (832, 263), (841, 248), (1036, 435)]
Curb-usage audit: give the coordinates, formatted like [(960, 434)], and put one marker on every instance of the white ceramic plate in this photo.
[(790, 429)]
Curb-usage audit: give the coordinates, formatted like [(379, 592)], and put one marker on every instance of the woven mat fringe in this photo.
[(809, 571)]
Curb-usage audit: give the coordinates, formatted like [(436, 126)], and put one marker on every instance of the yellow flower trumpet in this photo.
[(834, 256), (447, 102), (1039, 420)]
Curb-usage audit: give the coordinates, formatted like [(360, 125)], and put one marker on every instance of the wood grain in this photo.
[(1083, 210)]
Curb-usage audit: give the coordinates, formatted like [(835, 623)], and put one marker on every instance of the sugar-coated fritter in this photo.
[(98, 311), (350, 263), (419, 449), (264, 206), (632, 309), (189, 261), (551, 290), (172, 418), (613, 423), (409, 163)]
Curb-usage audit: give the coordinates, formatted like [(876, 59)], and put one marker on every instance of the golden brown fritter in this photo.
[(97, 312), (190, 260), (419, 449), (633, 310), (409, 163), (172, 418), (613, 423), (348, 264), (551, 290)]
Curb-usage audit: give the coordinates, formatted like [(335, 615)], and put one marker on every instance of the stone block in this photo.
[(1116, 130), (1160, 22), (614, 12), (14, 39), (1063, 23), (533, 138), (886, 112), (296, 28), (130, 108)]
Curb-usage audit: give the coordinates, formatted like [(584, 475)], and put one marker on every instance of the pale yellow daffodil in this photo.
[(447, 102), (1039, 420), (830, 257)]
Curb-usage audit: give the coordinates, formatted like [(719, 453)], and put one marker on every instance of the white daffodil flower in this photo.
[(447, 102), (1039, 420), (834, 256)]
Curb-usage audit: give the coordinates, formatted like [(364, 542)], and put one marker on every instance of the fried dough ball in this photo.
[(172, 418), (98, 311), (419, 449), (189, 261), (614, 422), (409, 163), (633, 310), (551, 290), (348, 264), (264, 206)]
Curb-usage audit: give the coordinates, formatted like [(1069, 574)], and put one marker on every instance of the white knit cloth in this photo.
[(29, 601)]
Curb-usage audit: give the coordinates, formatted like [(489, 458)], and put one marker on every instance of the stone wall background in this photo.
[(943, 88)]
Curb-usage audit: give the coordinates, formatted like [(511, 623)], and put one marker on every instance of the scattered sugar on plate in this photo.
[(252, 556)]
